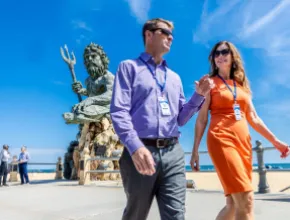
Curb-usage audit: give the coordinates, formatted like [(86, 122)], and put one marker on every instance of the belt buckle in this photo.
[(158, 144)]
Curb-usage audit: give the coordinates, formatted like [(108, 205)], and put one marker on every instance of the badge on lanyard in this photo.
[(237, 111), (236, 106), (163, 101), (165, 109)]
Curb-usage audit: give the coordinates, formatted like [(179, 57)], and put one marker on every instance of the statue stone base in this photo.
[(71, 161), (100, 140)]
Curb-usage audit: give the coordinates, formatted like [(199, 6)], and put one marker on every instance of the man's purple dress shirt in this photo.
[(135, 109)]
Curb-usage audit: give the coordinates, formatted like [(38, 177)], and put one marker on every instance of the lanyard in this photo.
[(235, 87), (162, 87)]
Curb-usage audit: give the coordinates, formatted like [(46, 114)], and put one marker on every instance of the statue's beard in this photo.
[(95, 71)]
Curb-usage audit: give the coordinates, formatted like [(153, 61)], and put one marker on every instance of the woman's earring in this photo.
[(234, 66)]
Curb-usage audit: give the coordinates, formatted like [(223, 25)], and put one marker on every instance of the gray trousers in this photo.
[(168, 184)]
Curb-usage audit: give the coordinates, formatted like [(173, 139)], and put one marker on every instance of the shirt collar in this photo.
[(147, 58)]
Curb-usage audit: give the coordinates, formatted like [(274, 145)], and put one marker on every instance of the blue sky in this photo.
[(35, 83)]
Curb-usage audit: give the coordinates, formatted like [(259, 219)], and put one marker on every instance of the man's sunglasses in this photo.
[(223, 52), (163, 31)]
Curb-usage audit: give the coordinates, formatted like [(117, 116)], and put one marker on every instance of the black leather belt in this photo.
[(159, 142)]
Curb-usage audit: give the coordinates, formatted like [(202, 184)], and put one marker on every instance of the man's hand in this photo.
[(143, 161), (77, 86), (204, 85), (194, 161)]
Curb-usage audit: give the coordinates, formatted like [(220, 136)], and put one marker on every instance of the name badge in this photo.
[(237, 112), (165, 109)]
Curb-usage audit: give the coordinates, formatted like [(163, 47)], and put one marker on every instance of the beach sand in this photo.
[(277, 180), (37, 176)]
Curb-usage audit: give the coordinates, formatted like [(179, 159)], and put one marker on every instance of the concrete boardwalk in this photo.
[(64, 200)]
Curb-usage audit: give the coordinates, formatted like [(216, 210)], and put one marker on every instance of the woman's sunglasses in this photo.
[(223, 52), (163, 31)]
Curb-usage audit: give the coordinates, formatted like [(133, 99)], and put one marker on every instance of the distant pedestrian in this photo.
[(4, 157), (22, 161)]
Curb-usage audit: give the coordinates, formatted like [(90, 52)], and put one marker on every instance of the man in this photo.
[(4, 157), (147, 107), (22, 162)]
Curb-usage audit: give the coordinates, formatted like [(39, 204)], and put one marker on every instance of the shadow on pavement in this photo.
[(36, 182), (285, 189), (275, 198)]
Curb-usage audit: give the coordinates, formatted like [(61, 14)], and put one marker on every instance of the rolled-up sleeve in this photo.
[(187, 110), (120, 108)]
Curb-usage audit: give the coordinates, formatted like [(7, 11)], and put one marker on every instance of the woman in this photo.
[(228, 138)]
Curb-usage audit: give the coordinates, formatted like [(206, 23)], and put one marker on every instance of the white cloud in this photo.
[(59, 83), (252, 24), (84, 28), (270, 30), (78, 24), (211, 23), (265, 20), (82, 38), (140, 9)]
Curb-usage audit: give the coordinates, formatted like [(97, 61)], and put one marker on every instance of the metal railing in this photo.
[(263, 186), (35, 163), (58, 169)]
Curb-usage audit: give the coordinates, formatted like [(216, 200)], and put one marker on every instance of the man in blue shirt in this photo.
[(22, 163), (148, 105)]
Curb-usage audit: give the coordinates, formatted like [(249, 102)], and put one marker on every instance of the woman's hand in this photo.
[(282, 147), (194, 161)]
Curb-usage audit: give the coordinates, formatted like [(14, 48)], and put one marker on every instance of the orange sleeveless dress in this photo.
[(228, 140)]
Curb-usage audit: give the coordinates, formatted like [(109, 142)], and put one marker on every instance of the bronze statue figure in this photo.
[(96, 136)]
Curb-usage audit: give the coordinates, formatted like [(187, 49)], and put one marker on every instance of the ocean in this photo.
[(269, 166)]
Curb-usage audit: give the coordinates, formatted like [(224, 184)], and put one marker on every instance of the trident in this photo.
[(70, 62)]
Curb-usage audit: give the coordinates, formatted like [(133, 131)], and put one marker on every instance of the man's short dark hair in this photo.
[(5, 146), (152, 24)]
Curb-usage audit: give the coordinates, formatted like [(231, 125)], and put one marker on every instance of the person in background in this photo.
[(22, 161), (4, 157)]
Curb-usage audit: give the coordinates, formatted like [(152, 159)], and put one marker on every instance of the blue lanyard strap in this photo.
[(162, 87), (235, 87)]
